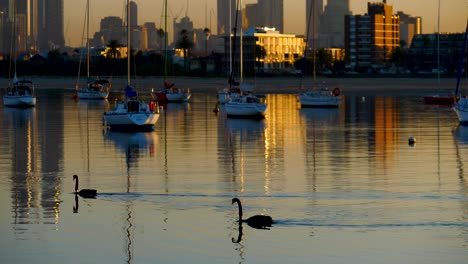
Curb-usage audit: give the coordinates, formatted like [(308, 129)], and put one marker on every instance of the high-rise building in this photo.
[(271, 14), (226, 16), (23, 14), (112, 28), (152, 35), (332, 24), (133, 15), (314, 11), (50, 25), (265, 13), (5, 32), (134, 29), (370, 38), (409, 27)]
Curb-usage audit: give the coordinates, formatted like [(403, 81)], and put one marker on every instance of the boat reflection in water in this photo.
[(321, 115), (245, 127), (461, 134), (134, 144)]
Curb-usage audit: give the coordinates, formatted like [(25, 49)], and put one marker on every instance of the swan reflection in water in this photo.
[(256, 221), (239, 236), (75, 206)]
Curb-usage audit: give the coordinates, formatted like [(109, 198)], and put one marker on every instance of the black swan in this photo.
[(256, 221), (85, 193)]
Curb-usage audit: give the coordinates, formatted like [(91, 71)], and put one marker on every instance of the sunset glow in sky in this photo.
[(454, 13)]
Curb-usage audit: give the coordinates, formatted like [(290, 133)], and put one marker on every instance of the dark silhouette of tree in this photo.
[(207, 35), (161, 35), (54, 56), (113, 51), (185, 43), (398, 54), (324, 59)]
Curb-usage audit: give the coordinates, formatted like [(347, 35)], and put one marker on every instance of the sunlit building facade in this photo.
[(266, 49), (370, 38)]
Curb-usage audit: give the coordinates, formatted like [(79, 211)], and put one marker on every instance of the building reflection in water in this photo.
[(35, 139)]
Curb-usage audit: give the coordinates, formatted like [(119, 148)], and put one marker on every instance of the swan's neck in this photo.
[(240, 210)]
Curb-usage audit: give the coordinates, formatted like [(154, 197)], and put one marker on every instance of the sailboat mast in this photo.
[(313, 37), (241, 46), (438, 45), (462, 59), (231, 77), (165, 39), (87, 36), (128, 42)]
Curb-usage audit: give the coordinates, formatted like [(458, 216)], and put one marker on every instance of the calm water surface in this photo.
[(342, 185)]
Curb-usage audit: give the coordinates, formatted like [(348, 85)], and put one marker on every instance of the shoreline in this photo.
[(288, 85)]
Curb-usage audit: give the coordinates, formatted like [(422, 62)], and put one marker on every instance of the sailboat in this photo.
[(233, 89), (461, 105), (132, 113), (318, 97), (20, 93), (242, 102), (439, 98), (170, 93), (96, 88)]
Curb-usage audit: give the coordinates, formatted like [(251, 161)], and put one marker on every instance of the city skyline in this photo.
[(204, 14)]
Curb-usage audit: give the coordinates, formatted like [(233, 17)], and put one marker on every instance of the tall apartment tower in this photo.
[(370, 38), (409, 27), (23, 14), (332, 24), (133, 15), (272, 14), (226, 16), (314, 11), (50, 25), (134, 29)]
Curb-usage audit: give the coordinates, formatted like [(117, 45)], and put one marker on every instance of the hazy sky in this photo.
[(454, 13)]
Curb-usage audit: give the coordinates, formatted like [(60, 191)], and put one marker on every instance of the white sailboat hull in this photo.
[(88, 94), (243, 106), (140, 119), (319, 99), (174, 96), (19, 101), (461, 109)]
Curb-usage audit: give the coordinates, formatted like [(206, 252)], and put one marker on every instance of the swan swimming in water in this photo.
[(256, 221), (85, 193)]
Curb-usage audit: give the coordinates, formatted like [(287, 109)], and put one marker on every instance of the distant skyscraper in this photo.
[(314, 11), (51, 26), (133, 15), (409, 27), (134, 30), (332, 23), (370, 38), (111, 28), (5, 33), (24, 15), (226, 21), (271, 14)]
